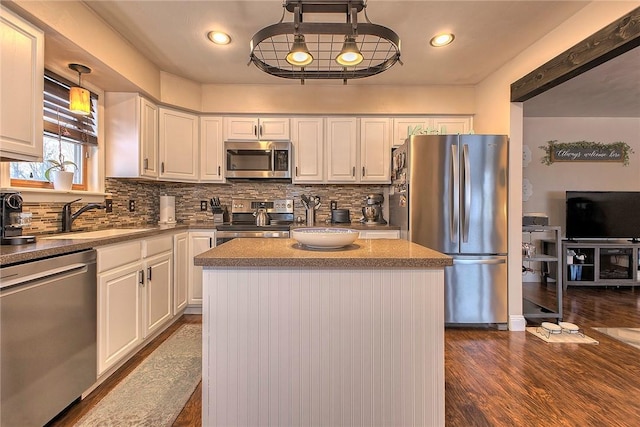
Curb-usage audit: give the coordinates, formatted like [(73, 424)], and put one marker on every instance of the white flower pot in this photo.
[(62, 180)]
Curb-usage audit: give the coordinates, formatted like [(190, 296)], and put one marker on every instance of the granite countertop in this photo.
[(356, 225), (371, 253), (45, 247)]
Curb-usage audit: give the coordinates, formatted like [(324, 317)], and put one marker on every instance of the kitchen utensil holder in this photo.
[(311, 217)]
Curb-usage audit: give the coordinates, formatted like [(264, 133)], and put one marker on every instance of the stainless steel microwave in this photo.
[(258, 159)]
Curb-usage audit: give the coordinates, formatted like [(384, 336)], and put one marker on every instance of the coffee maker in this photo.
[(372, 211), (12, 220)]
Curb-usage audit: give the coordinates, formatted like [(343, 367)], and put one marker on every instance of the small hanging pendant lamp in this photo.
[(79, 97)]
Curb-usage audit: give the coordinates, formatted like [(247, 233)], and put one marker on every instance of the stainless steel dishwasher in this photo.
[(48, 317)]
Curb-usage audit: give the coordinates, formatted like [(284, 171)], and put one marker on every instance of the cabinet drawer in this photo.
[(118, 255), (157, 245)]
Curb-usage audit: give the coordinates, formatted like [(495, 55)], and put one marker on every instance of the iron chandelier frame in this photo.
[(379, 45)]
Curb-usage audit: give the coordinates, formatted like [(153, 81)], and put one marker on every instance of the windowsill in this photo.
[(45, 195)]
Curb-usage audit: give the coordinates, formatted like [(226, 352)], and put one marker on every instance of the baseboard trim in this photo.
[(517, 323)]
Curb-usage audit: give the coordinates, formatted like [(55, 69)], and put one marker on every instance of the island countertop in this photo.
[(373, 253)]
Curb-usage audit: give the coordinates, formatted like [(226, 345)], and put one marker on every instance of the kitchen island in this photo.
[(325, 337)]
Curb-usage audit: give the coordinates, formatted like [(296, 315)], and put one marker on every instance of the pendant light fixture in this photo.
[(350, 54), (79, 97), (310, 49), (299, 54)]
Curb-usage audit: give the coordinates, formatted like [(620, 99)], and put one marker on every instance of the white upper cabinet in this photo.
[(432, 125), (149, 138), (178, 142), (375, 150), (21, 88), (358, 150), (131, 131), (402, 126), (254, 129), (307, 136), (211, 149), (342, 149), (453, 125)]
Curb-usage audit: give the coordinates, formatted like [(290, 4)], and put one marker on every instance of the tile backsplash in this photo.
[(146, 194)]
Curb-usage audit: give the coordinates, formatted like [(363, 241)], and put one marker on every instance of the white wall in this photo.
[(549, 183), (338, 99)]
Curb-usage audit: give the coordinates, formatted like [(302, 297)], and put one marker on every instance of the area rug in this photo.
[(563, 337), (629, 336), (155, 392)]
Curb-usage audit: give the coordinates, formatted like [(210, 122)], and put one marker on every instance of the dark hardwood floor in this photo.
[(497, 378)]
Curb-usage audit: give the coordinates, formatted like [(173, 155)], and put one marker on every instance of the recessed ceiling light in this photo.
[(441, 39), (218, 37)]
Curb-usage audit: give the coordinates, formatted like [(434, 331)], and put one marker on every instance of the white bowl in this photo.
[(325, 238)]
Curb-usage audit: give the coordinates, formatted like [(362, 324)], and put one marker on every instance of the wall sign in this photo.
[(585, 151)]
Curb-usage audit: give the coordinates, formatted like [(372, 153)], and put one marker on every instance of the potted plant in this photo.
[(57, 172)]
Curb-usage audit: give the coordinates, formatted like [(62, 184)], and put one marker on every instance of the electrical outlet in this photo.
[(132, 205), (108, 205), (203, 205)]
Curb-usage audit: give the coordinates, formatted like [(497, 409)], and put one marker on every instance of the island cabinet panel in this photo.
[(323, 346)]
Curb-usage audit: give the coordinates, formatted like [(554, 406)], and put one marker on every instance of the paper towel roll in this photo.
[(167, 209)]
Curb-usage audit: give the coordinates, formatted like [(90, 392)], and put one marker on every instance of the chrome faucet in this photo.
[(68, 217)]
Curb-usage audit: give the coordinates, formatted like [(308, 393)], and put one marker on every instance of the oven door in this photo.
[(225, 236), (258, 159)]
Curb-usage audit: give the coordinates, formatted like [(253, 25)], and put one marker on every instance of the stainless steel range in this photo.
[(244, 223)]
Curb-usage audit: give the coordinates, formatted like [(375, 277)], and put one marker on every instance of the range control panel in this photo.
[(272, 206)]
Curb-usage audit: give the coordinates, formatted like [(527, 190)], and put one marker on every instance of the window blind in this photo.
[(59, 120)]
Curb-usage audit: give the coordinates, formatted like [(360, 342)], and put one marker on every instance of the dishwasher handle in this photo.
[(23, 280)]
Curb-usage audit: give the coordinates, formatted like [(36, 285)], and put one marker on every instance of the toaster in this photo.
[(340, 216)]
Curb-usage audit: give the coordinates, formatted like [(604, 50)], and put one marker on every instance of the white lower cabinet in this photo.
[(180, 272), (134, 295), (119, 314), (199, 242), (157, 289), (380, 234)]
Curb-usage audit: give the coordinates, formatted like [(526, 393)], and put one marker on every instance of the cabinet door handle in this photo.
[(363, 171), (141, 277), (162, 167), (149, 273), (260, 130), (353, 171), (218, 170), (255, 130), (296, 171), (210, 242), (145, 164)]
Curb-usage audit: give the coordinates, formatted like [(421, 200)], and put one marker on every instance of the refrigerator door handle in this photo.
[(467, 193), (480, 261), (454, 196)]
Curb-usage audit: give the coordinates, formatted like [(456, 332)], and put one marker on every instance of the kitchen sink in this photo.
[(111, 232)]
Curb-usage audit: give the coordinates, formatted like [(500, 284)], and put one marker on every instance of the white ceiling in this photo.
[(172, 34)]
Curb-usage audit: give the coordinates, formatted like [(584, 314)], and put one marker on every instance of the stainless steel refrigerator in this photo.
[(449, 193)]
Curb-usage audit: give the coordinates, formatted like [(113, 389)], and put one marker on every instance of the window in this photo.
[(67, 136)]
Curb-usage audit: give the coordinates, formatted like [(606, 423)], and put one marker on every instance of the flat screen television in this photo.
[(603, 215)]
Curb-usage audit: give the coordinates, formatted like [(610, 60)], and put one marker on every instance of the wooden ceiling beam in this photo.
[(615, 39)]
